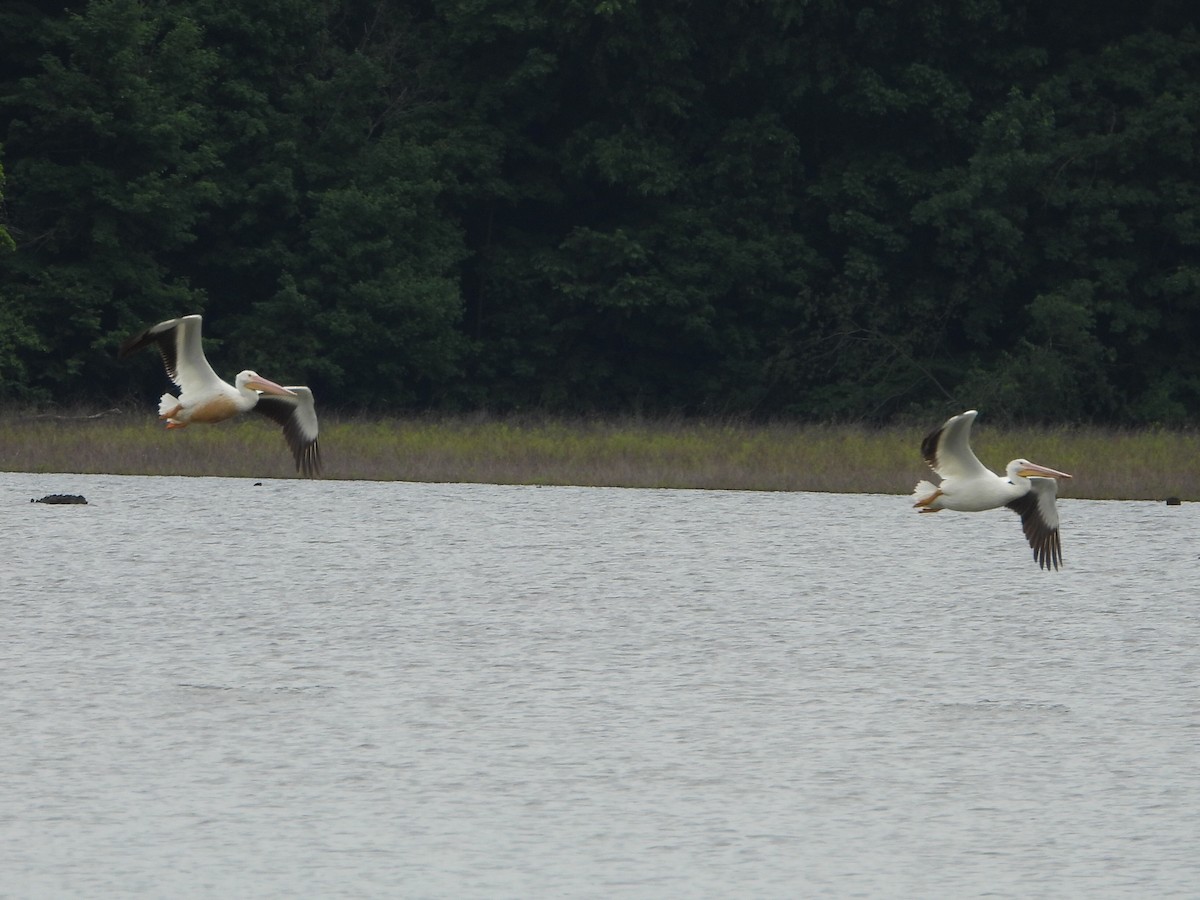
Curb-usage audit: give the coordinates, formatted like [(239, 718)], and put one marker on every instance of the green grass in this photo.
[(1107, 464)]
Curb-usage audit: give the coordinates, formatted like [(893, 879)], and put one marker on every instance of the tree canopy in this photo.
[(804, 209)]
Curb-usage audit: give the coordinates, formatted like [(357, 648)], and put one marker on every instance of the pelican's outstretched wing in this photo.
[(1039, 520), (298, 416), (948, 450), (178, 341)]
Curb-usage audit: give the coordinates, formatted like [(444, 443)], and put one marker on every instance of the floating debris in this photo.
[(61, 498), (1174, 501)]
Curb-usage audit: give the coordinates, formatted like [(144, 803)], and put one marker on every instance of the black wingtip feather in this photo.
[(164, 341), (307, 455), (929, 447), (1045, 542)]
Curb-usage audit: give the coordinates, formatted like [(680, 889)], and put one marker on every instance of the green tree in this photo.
[(771, 208), (109, 174), (1074, 224), (276, 169), (330, 256), (6, 241)]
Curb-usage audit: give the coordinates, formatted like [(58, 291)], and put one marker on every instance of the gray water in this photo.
[(210, 688)]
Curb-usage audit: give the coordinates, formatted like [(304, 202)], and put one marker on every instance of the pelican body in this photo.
[(206, 398), (1027, 488)]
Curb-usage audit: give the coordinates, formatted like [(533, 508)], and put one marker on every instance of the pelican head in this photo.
[(1023, 468), (252, 381)]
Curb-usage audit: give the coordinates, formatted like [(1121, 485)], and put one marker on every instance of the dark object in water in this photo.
[(61, 498), (1174, 501)]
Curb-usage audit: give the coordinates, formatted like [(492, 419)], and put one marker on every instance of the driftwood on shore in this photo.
[(77, 417)]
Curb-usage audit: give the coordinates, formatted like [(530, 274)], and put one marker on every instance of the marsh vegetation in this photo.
[(707, 454)]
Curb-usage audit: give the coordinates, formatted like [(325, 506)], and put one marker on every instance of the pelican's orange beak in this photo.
[(1034, 470), (267, 386)]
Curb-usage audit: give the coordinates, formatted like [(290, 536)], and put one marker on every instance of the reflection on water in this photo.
[(210, 688)]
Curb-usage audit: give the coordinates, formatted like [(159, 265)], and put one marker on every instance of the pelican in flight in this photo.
[(967, 485), (205, 398)]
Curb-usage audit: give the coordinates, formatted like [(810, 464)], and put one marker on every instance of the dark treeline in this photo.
[(811, 209)]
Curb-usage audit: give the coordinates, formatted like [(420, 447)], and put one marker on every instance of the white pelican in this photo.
[(203, 397), (967, 485)]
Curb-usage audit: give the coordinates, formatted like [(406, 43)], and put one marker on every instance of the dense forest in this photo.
[(808, 209)]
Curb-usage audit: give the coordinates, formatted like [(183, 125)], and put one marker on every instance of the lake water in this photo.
[(210, 688)]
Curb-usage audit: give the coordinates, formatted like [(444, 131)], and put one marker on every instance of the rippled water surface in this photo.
[(210, 688)]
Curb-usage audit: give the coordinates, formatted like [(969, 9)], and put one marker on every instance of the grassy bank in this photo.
[(1107, 464)]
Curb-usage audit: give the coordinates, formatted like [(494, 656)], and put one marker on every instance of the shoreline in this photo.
[(1108, 464)]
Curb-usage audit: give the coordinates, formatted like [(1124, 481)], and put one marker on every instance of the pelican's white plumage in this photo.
[(1026, 488), (204, 397)]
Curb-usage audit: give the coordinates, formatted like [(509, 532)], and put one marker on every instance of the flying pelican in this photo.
[(967, 485), (203, 397)]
